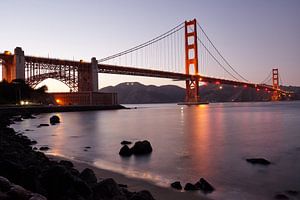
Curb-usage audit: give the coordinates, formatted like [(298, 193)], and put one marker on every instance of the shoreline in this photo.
[(135, 184), (12, 110)]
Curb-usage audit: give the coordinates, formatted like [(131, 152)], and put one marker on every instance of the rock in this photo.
[(292, 192), (142, 195), (44, 148), (125, 151), (203, 185), (41, 125), (87, 147), (54, 120), (33, 142), (88, 176), (106, 189), (58, 181), (122, 185), (66, 163), (260, 161), (4, 184), (17, 192), (281, 196), (176, 185), (190, 187), (126, 142), (36, 196), (18, 119), (142, 148)]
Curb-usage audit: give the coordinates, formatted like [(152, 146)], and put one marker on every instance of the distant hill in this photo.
[(134, 92), (137, 93)]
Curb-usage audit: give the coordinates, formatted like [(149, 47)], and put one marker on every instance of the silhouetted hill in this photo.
[(134, 92)]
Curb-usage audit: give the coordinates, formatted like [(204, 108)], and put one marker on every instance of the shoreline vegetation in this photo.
[(26, 173)]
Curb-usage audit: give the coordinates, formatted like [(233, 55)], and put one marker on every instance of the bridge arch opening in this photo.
[(54, 85)]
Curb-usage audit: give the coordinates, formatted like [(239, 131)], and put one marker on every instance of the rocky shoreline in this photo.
[(26, 174)]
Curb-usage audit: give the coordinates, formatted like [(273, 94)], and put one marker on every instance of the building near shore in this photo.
[(85, 98)]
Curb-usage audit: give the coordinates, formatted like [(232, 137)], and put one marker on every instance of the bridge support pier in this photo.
[(15, 68), (88, 77)]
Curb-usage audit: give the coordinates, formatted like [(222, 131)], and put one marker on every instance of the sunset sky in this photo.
[(255, 36)]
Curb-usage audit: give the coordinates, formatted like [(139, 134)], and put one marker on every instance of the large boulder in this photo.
[(18, 193), (125, 151), (107, 189), (142, 195), (142, 148), (125, 142), (203, 185), (88, 176), (59, 182), (4, 184), (54, 120), (261, 161)]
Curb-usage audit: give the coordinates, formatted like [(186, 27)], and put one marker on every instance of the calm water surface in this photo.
[(210, 141)]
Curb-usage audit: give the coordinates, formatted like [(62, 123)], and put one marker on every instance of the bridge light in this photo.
[(58, 101), (266, 89), (257, 89), (7, 52), (245, 86), (220, 87), (218, 82), (235, 86)]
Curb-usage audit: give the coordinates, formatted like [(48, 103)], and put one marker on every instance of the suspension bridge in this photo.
[(184, 53)]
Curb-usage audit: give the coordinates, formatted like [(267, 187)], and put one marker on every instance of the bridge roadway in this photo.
[(115, 69)]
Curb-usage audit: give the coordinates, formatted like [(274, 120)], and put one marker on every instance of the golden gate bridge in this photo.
[(182, 53)]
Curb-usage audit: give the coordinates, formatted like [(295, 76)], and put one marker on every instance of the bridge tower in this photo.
[(191, 61), (88, 77), (275, 79), (14, 66)]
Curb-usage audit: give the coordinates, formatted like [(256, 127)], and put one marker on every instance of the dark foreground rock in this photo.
[(54, 120), (261, 161), (176, 185), (35, 172), (10, 191)]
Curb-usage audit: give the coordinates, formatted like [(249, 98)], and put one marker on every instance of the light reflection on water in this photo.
[(189, 142)]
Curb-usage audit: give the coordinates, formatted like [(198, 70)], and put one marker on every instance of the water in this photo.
[(210, 141)]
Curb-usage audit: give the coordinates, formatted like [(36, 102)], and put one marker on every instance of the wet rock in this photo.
[(106, 189), (261, 161), (36, 196), (4, 184), (44, 148), (27, 116), (58, 181), (54, 120), (126, 142), (41, 125), (142, 148), (88, 176), (11, 170), (176, 185), (125, 151), (87, 147), (18, 119), (281, 196), (203, 185), (17, 192), (122, 185), (66, 163), (142, 195), (190, 187)]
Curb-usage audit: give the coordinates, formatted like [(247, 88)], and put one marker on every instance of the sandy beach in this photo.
[(134, 184)]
